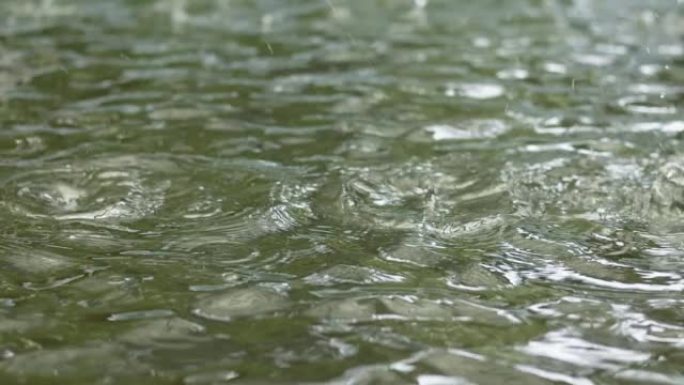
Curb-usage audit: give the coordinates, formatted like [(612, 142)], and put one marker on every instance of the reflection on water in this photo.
[(341, 192)]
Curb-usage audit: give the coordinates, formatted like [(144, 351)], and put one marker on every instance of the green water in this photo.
[(341, 192)]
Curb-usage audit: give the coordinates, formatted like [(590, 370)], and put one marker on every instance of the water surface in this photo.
[(341, 192)]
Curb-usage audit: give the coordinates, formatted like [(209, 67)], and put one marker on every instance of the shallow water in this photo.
[(341, 192)]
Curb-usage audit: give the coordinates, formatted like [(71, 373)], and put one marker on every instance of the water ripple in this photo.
[(332, 192)]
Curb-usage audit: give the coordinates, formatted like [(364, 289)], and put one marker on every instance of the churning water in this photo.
[(342, 192)]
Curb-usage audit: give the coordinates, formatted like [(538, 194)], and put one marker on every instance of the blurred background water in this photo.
[(341, 192)]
